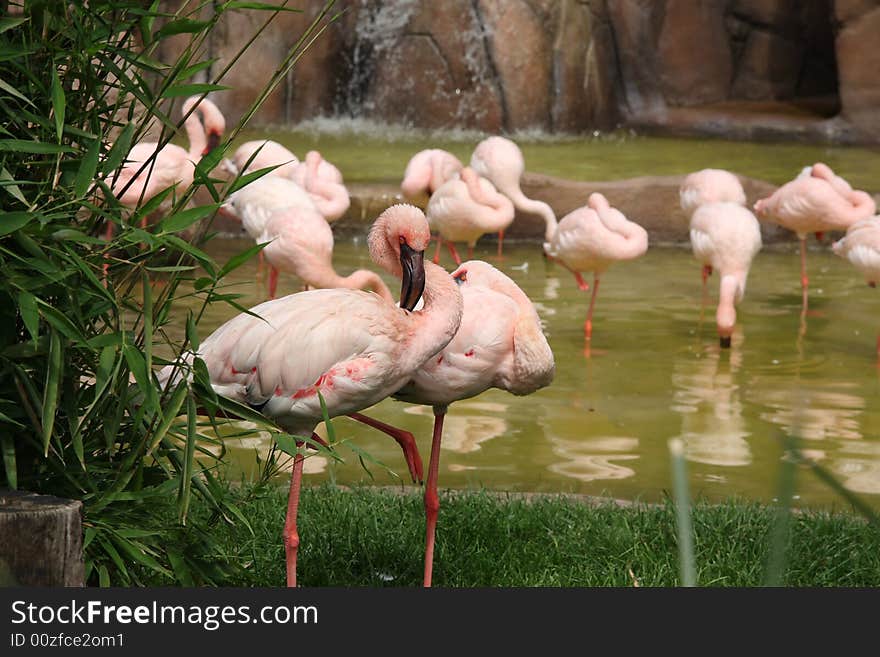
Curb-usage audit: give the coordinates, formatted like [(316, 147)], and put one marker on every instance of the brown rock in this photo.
[(694, 32), (766, 12), (847, 10), (858, 65), (769, 67), (569, 95)]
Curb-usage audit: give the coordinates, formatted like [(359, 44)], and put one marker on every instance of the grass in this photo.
[(375, 537)]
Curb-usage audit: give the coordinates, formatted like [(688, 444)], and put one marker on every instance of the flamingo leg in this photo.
[(261, 261), (588, 325), (437, 250), (432, 501), (500, 243), (291, 537), (581, 283), (805, 282), (453, 252), (273, 281), (707, 272), (405, 439)]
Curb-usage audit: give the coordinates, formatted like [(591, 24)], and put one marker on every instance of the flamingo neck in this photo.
[(195, 133), (362, 279), (437, 322), (533, 206), (730, 292)]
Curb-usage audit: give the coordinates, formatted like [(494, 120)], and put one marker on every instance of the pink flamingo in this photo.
[(426, 171), (463, 209), (591, 238), (255, 203), (326, 171), (259, 154), (147, 172), (709, 186), (301, 243), (329, 196), (726, 236), (501, 161), (814, 202), (352, 347), (861, 246), (499, 344)]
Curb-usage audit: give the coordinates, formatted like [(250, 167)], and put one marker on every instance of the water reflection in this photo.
[(813, 414), (468, 424), (707, 396), (592, 458)]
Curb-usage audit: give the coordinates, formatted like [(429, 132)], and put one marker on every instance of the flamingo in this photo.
[(301, 243), (148, 171), (426, 171), (501, 161), (352, 347), (861, 246), (259, 154), (724, 234), (465, 208), (329, 195), (591, 238), (814, 202), (499, 344), (256, 202)]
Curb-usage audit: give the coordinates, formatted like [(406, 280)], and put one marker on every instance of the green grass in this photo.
[(370, 537)]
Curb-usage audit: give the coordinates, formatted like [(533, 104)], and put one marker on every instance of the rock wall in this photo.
[(566, 65)]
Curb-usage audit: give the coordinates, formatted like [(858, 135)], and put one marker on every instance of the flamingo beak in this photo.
[(413, 264), (213, 142)]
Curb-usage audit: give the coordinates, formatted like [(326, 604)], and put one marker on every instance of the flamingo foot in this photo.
[(405, 439)]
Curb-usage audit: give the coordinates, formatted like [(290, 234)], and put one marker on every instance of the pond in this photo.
[(655, 370)]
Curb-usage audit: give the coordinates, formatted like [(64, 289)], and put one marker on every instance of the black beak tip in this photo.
[(725, 342)]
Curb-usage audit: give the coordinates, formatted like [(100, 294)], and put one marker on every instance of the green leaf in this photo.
[(103, 577), (9, 466), (259, 6), (193, 89), (187, 475), (172, 408), (59, 103), (61, 322), (8, 88), (53, 384), (7, 23), (138, 367), (27, 306), (9, 184), (181, 26), (120, 149), (12, 221), (192, 333), (35, 147), (237, 261), (182, 220), (88, 167)]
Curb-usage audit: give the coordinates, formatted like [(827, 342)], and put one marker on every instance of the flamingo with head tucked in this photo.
[(861, 246), (259, 154), (814, 202), (501, 161), (426, 171), (464, 208), (329, 195), (499, 344), (592, 238), (352, 347), (725, 236)]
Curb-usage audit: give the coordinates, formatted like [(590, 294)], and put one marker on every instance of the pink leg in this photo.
[(470, 252), (432, 501), (437, 250), (291, 537), (805, 282), (707, 272), (500, 243), (404, 438), (582, 284), (588, 325), (453, 252), (273, 281)]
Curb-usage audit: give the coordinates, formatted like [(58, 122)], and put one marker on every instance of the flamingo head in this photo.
[(213, 141), (397, 242)]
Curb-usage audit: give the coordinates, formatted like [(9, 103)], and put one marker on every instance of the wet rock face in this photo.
[(563, 65)]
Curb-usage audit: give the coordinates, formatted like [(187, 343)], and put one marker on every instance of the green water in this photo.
[(380, 155), (655, 372)]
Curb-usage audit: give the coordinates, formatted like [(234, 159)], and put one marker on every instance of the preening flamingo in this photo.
[(861, 246), (501, 161), (329, 196), (140, 179), (352, 347), (426, 171), (255, 203), (464, 208), (301, 243), (814, 202), (499, 344), (591, 238), (326, 171), (259, 154)]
